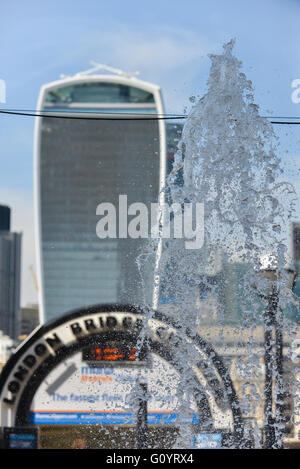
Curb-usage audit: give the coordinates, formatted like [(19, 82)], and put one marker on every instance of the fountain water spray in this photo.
[(228, 162)]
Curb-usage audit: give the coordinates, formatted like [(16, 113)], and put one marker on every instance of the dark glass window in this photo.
[(99, 93), (84, 163)]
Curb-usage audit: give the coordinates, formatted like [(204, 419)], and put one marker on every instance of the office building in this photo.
[(28, 319), (10, 272), (82, 162)]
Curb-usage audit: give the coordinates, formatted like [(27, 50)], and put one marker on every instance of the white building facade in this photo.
[(100, 139)]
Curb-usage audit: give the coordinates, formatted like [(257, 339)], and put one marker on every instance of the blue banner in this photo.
[(107, 418)]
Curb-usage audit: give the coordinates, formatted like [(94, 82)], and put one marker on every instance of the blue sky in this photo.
[(167, 41)]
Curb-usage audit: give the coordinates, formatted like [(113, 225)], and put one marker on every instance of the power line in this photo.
[(117, 116), (105, 116), (285, 123), (77, 111)]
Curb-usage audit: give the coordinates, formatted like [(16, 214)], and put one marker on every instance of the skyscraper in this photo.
[(10, 268), (82, 161), (4, 218)]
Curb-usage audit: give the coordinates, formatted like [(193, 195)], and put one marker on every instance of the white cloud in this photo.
[(170, 57)]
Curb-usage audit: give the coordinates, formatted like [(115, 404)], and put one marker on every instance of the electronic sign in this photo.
[(115, 352)]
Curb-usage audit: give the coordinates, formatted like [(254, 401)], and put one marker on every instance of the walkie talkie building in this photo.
[(81, 162)]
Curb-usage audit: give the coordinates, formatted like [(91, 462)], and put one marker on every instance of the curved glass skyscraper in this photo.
[(82, 162)]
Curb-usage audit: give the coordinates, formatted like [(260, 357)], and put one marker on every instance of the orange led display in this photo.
[(110, 354)]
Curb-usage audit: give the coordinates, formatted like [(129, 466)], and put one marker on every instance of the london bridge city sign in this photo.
[(114, 337)]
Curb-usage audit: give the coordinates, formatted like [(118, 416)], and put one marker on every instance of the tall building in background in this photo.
[(174, 132), (28, 319), (4, 218), (82, 162), (10, 273)]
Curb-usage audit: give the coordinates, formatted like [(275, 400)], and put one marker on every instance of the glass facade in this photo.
[(99, 92), (84, 163), (10, 278)]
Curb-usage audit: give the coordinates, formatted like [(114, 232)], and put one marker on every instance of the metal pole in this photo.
[(279, 388), (274, 378), (268, 390), (142, 416), (273, 374)]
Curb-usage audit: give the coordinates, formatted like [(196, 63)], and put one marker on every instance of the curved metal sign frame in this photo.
[(207, 377)]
